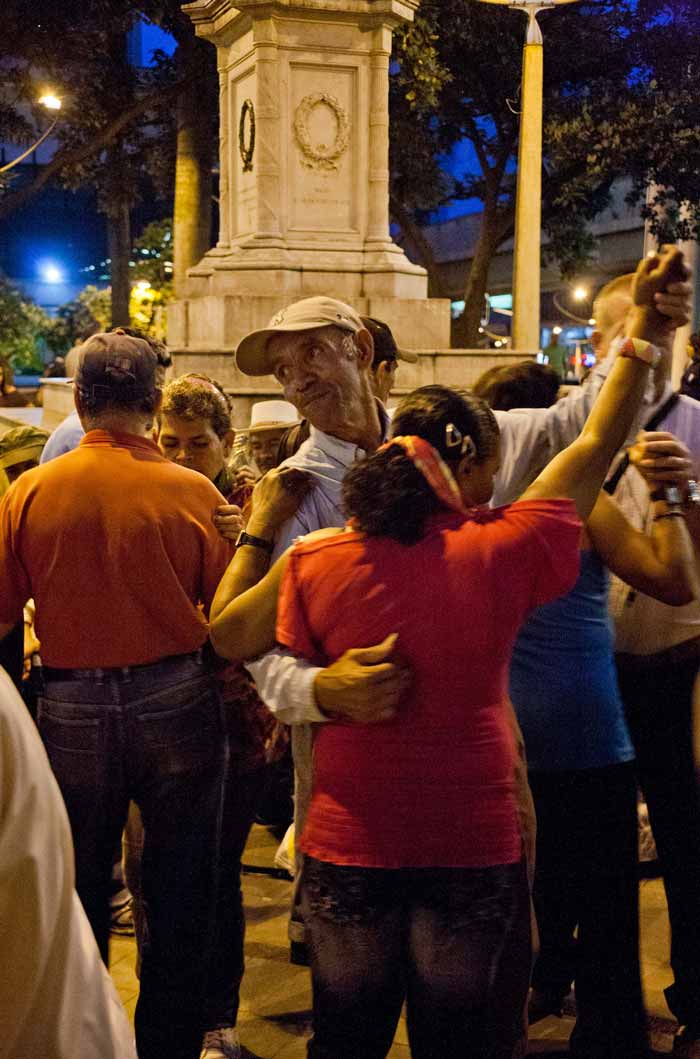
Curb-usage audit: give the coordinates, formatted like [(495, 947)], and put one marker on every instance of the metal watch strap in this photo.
[(255, 542), (670, 494)]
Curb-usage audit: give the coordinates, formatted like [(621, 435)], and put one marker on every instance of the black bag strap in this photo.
[(654, 421)]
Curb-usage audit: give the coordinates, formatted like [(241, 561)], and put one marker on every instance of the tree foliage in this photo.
[(118, 125), (22, 328), (620, 100)]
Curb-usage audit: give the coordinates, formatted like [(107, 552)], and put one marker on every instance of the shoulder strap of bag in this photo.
[(654, 421)]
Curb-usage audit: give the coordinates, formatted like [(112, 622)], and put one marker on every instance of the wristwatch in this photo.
[(670, 494), (255, 542)]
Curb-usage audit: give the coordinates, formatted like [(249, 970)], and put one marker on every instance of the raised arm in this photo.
[(244, 610), (579, 471)]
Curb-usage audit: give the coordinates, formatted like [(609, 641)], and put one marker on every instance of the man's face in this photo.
[(382, 379), (319, 373), (263, 445), (615, 309), (193, 443)]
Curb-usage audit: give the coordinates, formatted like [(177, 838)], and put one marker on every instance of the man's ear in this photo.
[(365, 348), (597, 343), (227, 442)]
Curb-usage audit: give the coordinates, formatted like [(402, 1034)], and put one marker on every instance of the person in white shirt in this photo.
[(57, 1000)]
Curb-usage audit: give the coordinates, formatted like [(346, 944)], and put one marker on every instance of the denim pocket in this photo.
[(73, 742), (347, 894), (183, 735)]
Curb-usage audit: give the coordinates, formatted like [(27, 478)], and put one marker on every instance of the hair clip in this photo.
[(454, 437)]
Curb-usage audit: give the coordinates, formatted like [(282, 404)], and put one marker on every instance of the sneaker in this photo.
[(223, 1043), (122, 920), (686, 1043)]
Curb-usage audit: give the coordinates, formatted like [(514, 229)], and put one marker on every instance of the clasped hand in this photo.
[(661, 458)]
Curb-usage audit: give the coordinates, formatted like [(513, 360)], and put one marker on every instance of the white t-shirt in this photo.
[(56, 999)]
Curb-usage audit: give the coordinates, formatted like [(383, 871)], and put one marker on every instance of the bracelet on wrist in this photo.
[(640, 349)]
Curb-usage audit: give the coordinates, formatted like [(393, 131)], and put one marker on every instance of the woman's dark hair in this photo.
[(523, 385), (386, 495)]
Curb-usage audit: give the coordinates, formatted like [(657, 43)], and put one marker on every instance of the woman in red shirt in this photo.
[(414, 884)]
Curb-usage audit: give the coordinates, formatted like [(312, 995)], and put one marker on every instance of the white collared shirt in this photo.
[(286, 683)]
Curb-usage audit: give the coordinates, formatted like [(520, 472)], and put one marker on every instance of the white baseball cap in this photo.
[(305, 315), (265, 415)]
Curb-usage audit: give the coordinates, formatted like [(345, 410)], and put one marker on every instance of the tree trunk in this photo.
[(193, 176), (466, 328), (119, 236), (421, 247)]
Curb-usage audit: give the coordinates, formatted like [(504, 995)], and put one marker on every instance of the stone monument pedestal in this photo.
[(304, 180)]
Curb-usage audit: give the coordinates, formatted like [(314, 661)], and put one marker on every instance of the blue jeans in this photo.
[(453, 942), (152, 734)]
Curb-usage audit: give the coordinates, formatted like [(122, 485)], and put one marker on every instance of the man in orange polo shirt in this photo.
[(118, 547)]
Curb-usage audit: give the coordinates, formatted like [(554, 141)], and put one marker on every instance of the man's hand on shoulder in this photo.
[(364, 685), (276, 498)]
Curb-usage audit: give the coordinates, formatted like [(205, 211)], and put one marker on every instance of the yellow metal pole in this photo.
[(528, 210)]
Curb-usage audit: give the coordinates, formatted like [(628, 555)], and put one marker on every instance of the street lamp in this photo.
[(528, 205), (51, 102)]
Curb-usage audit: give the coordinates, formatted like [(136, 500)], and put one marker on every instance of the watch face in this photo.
[(673, 494)]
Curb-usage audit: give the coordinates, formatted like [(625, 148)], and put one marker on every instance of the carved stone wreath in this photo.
[(247, 150), (321, 155)]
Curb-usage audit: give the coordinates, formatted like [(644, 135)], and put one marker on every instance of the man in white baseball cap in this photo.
[(253, 354), (321, 353)]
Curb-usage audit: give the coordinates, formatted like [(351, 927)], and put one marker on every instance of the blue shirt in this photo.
[(66, 437), (563, 683)]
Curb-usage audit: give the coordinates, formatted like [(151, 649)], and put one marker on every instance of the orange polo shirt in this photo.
[(118, 548)]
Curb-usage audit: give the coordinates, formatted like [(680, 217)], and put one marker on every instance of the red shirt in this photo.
[(118, 547), (434, 787)]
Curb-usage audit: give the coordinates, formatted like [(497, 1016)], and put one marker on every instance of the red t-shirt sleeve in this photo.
[(14, 583), (293, 628), (550, 533)]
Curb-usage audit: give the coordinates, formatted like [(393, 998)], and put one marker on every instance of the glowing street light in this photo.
[(50, 102), (51, 273), (580, 294), (528, 206)]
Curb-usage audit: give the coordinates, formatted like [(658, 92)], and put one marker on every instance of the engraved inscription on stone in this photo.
[(323, 160)]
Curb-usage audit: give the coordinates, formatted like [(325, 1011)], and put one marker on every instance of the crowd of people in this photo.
[(468, 729)]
